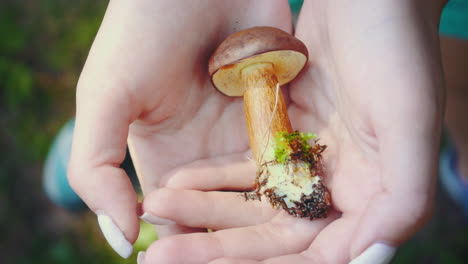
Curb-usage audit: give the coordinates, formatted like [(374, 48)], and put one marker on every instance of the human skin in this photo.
[(145, 80), (372, 92)]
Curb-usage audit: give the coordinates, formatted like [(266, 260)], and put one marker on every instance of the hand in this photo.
[(372, 92), (146, 80)]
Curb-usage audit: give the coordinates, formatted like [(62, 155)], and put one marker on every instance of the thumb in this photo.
[(99, 147), (387, 223), (408, 186)]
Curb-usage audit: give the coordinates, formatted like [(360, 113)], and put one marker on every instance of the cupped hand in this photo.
[(146, 80), (373, 93)]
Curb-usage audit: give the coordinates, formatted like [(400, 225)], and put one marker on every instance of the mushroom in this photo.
[(253, 63)]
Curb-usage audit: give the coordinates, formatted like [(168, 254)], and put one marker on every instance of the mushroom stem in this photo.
[(263, 120)]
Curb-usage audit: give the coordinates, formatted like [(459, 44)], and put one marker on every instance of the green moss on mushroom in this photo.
[(284, 143), (292, 180)]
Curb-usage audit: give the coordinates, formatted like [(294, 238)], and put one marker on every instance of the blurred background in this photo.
[(43, 46)]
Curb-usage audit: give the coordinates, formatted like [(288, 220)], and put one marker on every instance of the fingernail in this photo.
[(114, 236), (140, 257), (378, 253), (155, 220)]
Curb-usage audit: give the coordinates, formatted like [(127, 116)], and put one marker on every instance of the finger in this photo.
[(99, 146), (175, 229), (165, 227), (333, 243), (230, 172), (259, 242), (234, 261), (215, 210), (388, 221), (293, 258)]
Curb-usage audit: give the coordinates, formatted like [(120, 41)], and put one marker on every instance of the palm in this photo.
[(203, 125), (185, 118), (363, 133)]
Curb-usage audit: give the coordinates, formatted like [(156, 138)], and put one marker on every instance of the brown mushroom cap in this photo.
[(259, 44)]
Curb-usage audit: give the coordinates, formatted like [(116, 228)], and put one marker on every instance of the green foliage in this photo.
[(147, 236), (43, 47), (282, 144), (13, 38), (42, 50), (17, 82)]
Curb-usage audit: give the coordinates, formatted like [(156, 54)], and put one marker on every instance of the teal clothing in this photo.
[(55, 181), (295, 6), (454, 19)]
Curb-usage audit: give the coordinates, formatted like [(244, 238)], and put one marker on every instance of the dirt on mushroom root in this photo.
[(293, 149)]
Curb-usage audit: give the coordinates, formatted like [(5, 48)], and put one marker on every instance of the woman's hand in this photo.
[(373, 94), (146, 80)]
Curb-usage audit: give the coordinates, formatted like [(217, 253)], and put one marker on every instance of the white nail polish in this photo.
[(114, 236), (155, 220), (140, 257), (378, 253)]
